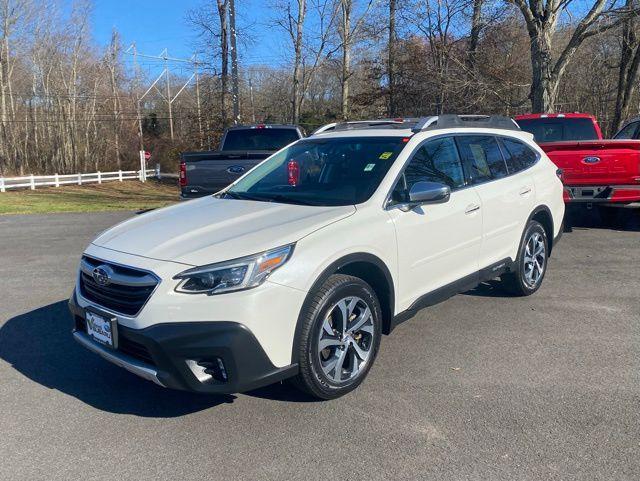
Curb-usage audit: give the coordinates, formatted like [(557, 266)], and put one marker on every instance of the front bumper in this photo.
[(159, 353)]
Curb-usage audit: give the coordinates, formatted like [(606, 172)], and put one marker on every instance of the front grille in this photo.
[(127, 291)]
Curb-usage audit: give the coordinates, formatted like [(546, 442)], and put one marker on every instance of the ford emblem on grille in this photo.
[(102, 275), (591, 160)]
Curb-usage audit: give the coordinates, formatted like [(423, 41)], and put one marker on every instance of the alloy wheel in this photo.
[(535, 259), (346, 339)]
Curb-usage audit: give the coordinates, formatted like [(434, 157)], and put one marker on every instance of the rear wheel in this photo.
[(531, 264), (340, 337)]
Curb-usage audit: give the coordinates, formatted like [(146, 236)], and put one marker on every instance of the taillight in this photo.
[(183, 175), (293, 173)]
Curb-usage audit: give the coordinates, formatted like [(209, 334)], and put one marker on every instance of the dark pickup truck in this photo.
[(241, 148)]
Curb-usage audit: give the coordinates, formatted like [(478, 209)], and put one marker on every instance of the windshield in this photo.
[(267, 138), (557, 128), (327, 172)]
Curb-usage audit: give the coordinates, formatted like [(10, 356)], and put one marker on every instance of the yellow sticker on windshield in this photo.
[(385, 155)]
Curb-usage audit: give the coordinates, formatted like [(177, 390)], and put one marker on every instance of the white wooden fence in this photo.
[(56, 180)]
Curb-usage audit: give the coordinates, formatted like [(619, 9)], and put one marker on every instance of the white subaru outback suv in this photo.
[(298, 268)]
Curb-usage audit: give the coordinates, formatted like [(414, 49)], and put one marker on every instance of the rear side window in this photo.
[(482, 158), (559, 128), (518, 155), (627, 132), (267, 138), (435, 161)]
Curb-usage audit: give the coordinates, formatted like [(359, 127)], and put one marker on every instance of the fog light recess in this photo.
[(207, 369)]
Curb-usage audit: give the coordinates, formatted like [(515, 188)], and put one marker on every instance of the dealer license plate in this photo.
[(102, 329)]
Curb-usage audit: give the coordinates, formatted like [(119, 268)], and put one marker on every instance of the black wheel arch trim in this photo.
[(357, 257), (551, 240)]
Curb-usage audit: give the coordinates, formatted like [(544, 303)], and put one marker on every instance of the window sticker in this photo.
[(369, 167), (385, 155)]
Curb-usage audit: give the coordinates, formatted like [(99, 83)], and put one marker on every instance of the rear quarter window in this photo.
[(519, 156)]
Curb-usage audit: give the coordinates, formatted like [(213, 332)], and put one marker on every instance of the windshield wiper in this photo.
[(243, 196), (288, 200)]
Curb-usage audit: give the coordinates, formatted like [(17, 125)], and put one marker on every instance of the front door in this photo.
[(437, 243)]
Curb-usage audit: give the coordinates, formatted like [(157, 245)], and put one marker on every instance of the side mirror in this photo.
[(426, 193)]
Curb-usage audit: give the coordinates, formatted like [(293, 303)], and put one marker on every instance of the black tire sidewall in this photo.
[(532, 227), (351, 287)]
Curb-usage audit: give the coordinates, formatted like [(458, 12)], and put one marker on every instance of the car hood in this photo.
[(209, 229)]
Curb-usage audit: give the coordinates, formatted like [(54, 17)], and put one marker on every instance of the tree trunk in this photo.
[(296, 97), (391, 73), (544, 85), (345, 32), (234, 63), (476, 27), (224, 59)]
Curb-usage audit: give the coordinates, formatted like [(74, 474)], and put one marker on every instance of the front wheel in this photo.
[(340, 337), (531, 264)]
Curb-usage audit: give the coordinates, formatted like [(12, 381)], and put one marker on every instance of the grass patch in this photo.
[(127, 195)]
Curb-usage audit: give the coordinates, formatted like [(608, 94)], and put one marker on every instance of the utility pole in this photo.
[(169, 100), (234, 63), (136, 87), (201, 137), (167, 96)]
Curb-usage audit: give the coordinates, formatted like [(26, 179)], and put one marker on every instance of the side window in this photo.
[(482, 158), (436, 161), (627, 131), (519, 156)]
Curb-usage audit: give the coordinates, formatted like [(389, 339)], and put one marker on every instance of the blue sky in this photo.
[(159, 24)]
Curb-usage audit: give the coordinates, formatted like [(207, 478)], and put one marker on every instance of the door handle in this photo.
[(525, 190), (471, 208)]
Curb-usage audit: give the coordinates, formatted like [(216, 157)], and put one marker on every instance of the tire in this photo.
[(528, 273), (349, 348)]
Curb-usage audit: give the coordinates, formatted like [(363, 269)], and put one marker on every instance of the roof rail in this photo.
[(451, 121), (363, 124)]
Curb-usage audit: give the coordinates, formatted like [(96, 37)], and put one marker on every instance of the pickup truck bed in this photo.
[(210, 171), (242, 147)]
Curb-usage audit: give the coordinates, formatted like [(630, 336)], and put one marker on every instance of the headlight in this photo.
[(235, 275)]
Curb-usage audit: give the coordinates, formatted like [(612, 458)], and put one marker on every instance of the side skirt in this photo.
[(445, 292)]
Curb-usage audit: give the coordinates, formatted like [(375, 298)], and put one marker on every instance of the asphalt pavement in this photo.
[(482, 386)]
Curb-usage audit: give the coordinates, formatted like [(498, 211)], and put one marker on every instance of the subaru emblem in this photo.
[(102, 275)]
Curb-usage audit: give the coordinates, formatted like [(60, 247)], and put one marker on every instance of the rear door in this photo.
[(506, 191)]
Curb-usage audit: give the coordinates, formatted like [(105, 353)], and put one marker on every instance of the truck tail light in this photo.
[(293, 172), (182, 179)]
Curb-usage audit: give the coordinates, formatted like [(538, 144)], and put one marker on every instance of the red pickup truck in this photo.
[(593, 170)]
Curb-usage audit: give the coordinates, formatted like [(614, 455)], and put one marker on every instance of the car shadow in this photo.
[(488, 289), (603, 217), (39, 345)]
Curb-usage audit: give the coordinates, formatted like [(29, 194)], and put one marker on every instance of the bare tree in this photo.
[(391, 60), (541, 18), (112, 62), (628, 68), (235, 81), (349, 31)]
